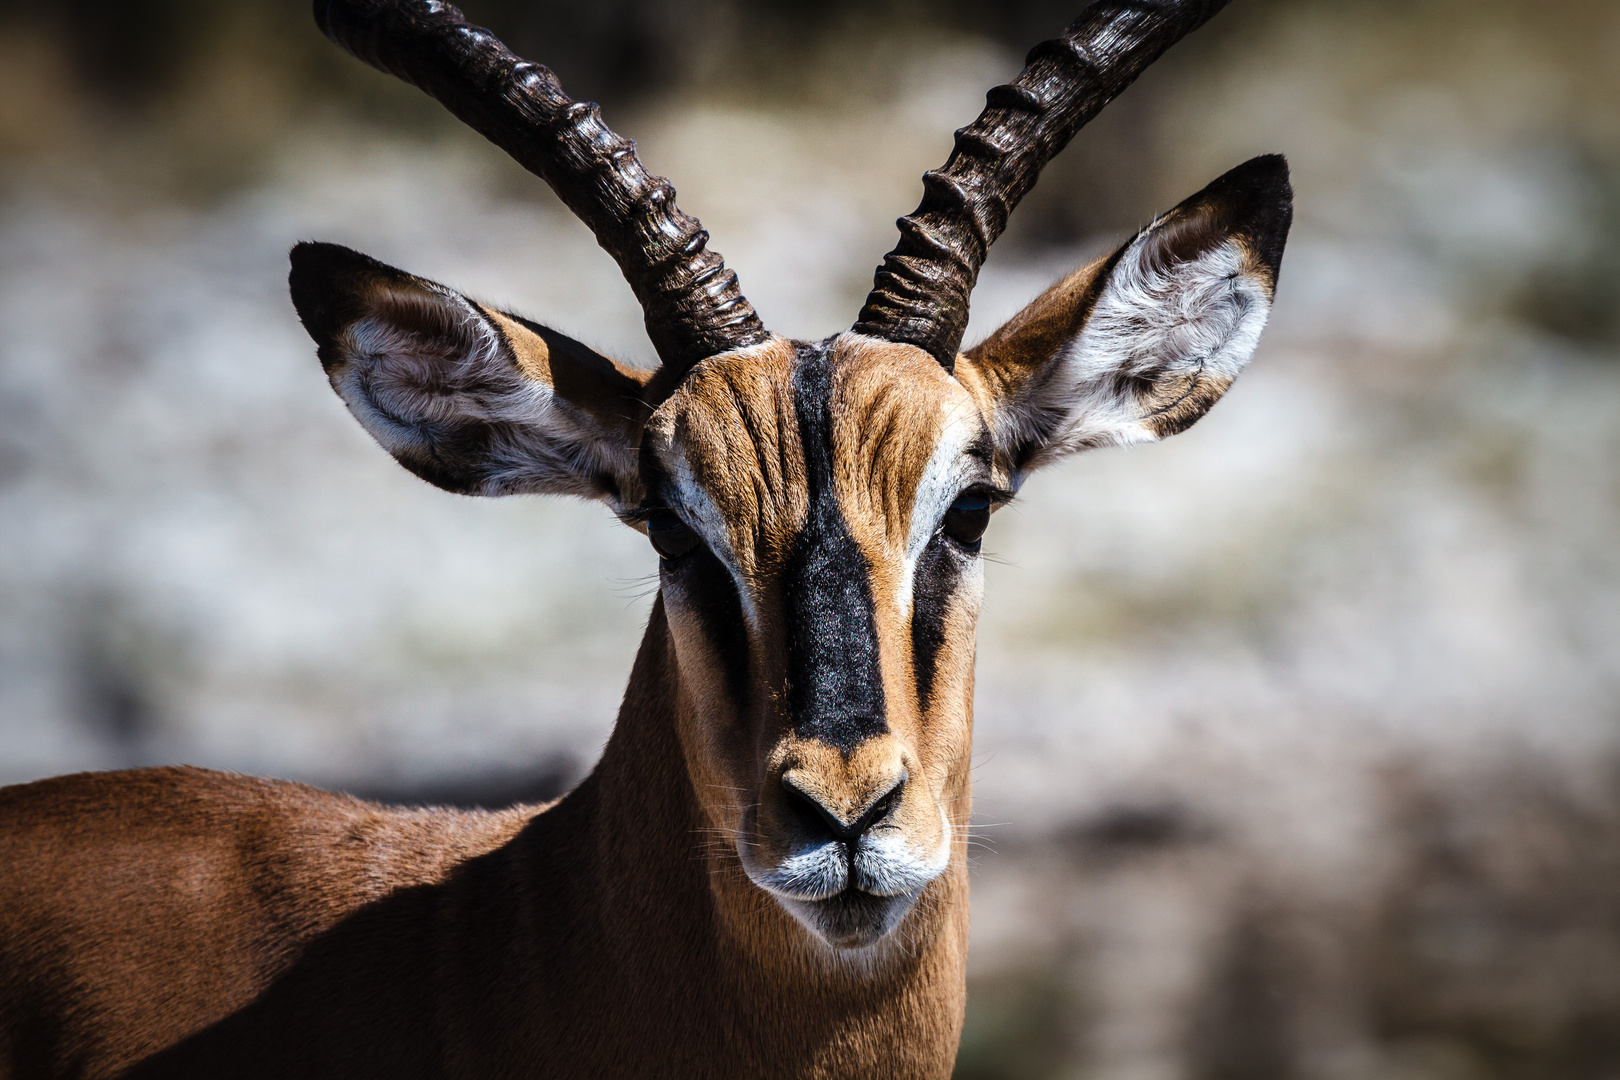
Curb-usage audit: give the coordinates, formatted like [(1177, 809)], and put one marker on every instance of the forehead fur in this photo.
[(728, 441), (891, 406), (732, 437)]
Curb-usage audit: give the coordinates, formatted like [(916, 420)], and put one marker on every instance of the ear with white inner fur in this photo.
[(1139, 345), (468, 398)]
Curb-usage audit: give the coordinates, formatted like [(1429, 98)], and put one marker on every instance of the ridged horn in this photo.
[(692, 303), (920, 293)]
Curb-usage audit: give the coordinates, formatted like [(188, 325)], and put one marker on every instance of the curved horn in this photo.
[(920, 293), (692, 304)]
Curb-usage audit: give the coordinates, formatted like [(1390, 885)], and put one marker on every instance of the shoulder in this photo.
[(287, 829)]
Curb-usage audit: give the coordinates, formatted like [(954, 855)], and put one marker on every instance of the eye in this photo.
[(967, 519), (670, 536)]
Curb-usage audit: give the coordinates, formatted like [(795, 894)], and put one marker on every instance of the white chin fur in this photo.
[(852, 903)]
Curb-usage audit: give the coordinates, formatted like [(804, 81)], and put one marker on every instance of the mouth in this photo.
[(851, 919), (850, 896)]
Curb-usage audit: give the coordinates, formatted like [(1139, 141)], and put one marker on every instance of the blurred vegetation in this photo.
[(197, 95), (1578, 297), (140, 54), (1490, 950)]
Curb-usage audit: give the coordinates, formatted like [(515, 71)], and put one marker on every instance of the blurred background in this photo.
[(1298, 747)]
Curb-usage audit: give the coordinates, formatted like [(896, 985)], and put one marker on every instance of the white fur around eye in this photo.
[(702, 514), (941, 481)]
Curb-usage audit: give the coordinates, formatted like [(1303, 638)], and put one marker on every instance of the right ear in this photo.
[(1138, 346), (471, 399)]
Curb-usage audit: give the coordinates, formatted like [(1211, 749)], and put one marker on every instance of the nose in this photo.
[(819, 818)]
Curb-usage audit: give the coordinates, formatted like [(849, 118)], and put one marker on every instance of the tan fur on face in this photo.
[(892, 407), (731, 431), (733, 428), (730, 439), (891, 404)]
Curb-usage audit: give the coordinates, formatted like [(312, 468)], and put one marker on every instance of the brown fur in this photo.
[(256, 928)]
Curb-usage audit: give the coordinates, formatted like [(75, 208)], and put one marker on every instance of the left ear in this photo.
[(471, 399), (1139, 345)]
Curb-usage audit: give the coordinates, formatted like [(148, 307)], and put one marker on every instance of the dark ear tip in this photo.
[(1267, 170), (317, 265), (326, 281), (309, 255), (315, 281), (1255, 201), (1258, 185)]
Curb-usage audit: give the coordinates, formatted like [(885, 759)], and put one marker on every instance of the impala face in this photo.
[(817, 511)]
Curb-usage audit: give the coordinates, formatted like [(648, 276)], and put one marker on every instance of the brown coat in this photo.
[(177, 922)]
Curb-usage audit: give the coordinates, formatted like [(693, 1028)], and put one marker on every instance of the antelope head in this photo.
[(816, 506)]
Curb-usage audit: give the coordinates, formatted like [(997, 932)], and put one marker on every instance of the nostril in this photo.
[(882, 808), (811, 815), (816, 817)]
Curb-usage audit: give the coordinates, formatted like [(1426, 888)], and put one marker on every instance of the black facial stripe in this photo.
[(939, 571), (835, 686)]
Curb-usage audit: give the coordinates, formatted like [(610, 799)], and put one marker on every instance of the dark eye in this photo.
[(967, 519), (669, 535)]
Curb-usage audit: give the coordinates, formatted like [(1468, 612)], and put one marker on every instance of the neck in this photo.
[(681, 921)]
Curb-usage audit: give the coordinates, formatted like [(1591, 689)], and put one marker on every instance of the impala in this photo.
[(764, 875)]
